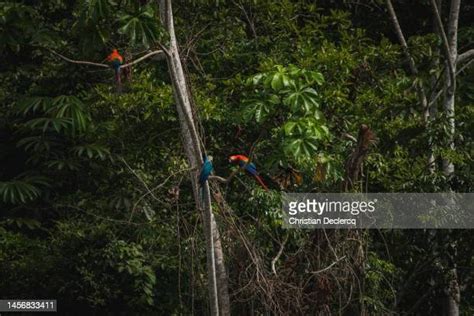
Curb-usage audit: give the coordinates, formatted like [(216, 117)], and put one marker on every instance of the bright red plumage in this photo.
[(236, 158), (115, 55), (243, 162), (116, 60)]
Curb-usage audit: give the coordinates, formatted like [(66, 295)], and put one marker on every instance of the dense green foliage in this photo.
[(96, 208)]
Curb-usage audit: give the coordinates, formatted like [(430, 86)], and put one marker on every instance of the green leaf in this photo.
[(277, 81), (18, 191), (91, 151), (288, 128)]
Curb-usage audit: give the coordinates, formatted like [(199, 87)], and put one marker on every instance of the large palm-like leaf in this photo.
[(22, 190), (141, 27)]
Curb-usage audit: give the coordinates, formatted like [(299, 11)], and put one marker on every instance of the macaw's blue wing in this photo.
[(206, 170), (116, 64), (251, 168)]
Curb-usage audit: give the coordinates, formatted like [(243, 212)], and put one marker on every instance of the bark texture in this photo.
[(217, 274), (355, 161), (450, 82)]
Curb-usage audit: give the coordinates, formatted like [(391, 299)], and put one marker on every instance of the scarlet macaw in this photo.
[(117, 60), (250, 168), (206, 170)]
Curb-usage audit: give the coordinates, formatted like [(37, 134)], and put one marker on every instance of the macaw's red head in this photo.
[(238, 158), (115, 56)]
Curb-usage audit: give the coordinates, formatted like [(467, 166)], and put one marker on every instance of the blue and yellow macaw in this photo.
[(206, 171), (250, 168)]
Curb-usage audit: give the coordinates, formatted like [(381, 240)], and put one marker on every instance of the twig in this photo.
[(329, 266), (139, 178), (466, 55), (118, 221), (278, 255), (150, 191), (350, 137), (438, 94), (465, 66), (156, 52), (224, 180)]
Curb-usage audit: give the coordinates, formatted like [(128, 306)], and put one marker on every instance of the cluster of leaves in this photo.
[(285, 101), (52, 132), (117, 23)]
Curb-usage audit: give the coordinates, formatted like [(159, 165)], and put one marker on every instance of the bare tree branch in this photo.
[(465, 66), (353, 165), (350, 137), (398, 30), (136, 61), (447, 52), (453, 27), (282, 246), (329, 266), (224, 180), (83, 62), (465, 56), (440, 92)]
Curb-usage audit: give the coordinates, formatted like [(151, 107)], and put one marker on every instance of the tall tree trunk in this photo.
[(453, 289), (453, 294), (450, 82), (217, 275), (222, 280), (450, 46)]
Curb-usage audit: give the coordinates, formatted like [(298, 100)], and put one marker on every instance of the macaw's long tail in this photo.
[(118, 80), (117, 76), (260, 181), (201, 193)]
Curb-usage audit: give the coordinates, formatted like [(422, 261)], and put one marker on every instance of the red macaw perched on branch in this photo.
[(250, 168), (117, 60)]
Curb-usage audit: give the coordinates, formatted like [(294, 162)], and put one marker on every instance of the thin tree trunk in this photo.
[(217, 275), (427, 107), (432, 104)]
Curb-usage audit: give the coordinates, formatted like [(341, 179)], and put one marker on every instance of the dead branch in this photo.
[(282, 246), (350, 137), (89, 63), (354, 163), (224, 180), (82, 62), (136, 61), (411, 62), (444, 39), (465, 56), (328, 267)]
